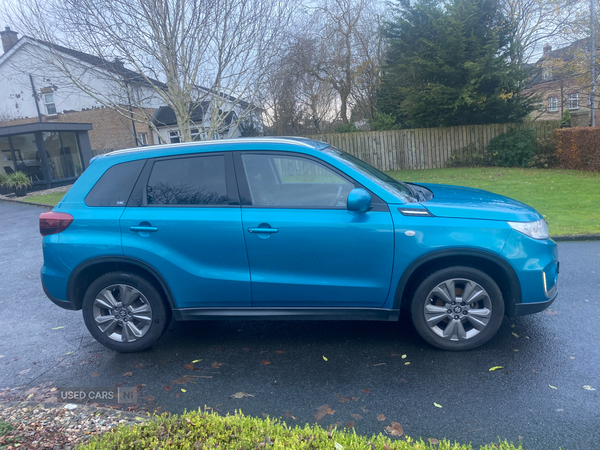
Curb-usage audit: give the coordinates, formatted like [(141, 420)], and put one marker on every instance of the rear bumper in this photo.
[(65, 304), (522, 309)]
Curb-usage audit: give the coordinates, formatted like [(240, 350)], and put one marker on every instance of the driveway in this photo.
[(290, 369)]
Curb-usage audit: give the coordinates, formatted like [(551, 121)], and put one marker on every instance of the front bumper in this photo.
[(522, 309)]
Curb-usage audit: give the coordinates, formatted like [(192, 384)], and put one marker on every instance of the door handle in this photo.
[(144, 228), (263, 230)]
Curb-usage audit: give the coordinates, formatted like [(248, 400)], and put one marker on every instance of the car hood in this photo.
[(468, 203)]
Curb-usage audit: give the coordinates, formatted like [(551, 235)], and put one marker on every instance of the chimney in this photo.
[(9, 39), (547, 49)]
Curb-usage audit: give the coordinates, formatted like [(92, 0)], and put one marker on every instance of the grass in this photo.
[(569, 200), (47, 199)]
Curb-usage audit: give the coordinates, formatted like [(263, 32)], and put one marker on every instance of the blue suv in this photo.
[(287, 228)]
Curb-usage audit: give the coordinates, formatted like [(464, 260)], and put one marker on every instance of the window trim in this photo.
[(550, 107), (141, 187), (574, 97), (47, 104), (377, 204), (143, 140)]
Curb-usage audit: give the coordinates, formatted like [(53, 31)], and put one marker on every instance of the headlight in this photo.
[(536, 230)]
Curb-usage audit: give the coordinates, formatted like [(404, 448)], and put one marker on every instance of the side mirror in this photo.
[(359, 200)]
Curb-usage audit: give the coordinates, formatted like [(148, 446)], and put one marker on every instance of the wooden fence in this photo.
[(422, 148)]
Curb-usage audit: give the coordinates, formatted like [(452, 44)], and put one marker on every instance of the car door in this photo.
[(184, 220), (305, 248)]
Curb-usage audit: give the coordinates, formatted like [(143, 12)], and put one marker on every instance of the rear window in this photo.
[(198, 180), (115, 186)]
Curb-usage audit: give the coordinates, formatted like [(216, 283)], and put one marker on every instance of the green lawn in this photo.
[(569, 200), (47, 199)]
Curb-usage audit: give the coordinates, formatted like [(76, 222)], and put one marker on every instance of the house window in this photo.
[(174, 137), (197, 135), (143, 138), (573, 101), (547, 73), (50, 105), (540, 106), (553, 104)]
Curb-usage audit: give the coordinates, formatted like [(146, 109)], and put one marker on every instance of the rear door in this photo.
[(304, 247), (184, 219)]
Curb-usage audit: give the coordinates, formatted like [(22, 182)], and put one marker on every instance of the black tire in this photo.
[(459, 325), (146, 315)]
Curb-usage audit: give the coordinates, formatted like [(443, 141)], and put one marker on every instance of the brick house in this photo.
[(35, 91), (561, 79)]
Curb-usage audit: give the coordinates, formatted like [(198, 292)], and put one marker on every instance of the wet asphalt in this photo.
[(537, 398)]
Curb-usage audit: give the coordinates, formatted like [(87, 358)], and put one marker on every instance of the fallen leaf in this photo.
[(515, 335), (379, 364), (23, 372), (437, 405), (356, 416), (572, 357), (216, 365), (287, 414), (241, 395), (322, 411), (176, 396), (57, 328), (189, 366), (324, 358), (183, 390), (68, 353), (381, 417), (350, 424), (167, 388), (265, 363), (183, 380), (150, 398), (346, 399), (95, 374), (553, 387), (395, 429), (280, 352), (516, 349), (137, 366), (513, 325), (433, 441), (403, 356), (387, 447), (367, 391), (496, 368), (588, 388), (196, 361), (394, 354)]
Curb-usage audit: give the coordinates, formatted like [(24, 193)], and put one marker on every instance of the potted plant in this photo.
[(19, 181), (4, 187)]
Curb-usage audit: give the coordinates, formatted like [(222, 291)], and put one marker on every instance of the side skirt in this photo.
[(286, 314)]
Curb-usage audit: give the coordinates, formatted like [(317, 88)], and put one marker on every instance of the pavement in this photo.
[(543, 396)]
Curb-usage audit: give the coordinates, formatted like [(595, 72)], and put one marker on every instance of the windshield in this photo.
[(394, 187)]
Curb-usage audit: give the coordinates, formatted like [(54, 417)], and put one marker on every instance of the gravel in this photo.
[(58, 426)]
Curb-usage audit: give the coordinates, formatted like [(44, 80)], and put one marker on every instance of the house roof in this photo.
[(567, 54), (165, 116)]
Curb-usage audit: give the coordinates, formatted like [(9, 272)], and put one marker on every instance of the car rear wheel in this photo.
[(124, 312), (457, 308)]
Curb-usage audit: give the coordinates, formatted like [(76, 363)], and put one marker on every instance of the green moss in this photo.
[(201, 430), (568, 199)]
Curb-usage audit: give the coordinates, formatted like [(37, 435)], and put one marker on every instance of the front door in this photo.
[(305, 248)]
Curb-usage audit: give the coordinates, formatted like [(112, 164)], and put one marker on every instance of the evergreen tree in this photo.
[(448, 65)]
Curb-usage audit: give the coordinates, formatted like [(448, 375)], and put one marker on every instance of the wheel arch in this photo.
[(86, 272), (493, 265)]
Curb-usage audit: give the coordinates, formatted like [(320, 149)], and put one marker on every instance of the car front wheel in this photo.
[(457, 308), (124, 312)]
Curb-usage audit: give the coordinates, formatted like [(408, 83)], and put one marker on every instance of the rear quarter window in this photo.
[(115, 186)]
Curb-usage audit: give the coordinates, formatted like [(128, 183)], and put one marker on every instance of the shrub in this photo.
[(203, 430), (17, 179), (347, 128), (514, 148), (578, 148), (382, 121), (469, 156), (565, 120)]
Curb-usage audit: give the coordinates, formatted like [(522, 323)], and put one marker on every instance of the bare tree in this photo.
[(187, 54)]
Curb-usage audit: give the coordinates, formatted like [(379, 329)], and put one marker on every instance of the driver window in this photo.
[(288, 181)]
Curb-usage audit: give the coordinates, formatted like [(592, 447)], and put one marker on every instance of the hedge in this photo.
[(203, 430), (578, 148)]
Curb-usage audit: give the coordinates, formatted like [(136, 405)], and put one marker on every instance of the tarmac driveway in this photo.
[(346, 373)]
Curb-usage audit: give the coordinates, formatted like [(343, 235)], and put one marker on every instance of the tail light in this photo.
[(54, 222)]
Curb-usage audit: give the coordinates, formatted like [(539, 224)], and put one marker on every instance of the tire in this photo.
[(132, 327), (469, 324)]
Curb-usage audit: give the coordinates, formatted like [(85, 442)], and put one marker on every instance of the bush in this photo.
[(383, 122), (565, 120), (469, 156), (203, 430), (347, 128), (578, 148), (514, 148), (17, 179)]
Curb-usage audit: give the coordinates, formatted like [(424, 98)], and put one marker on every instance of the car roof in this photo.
[(270, 143)]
